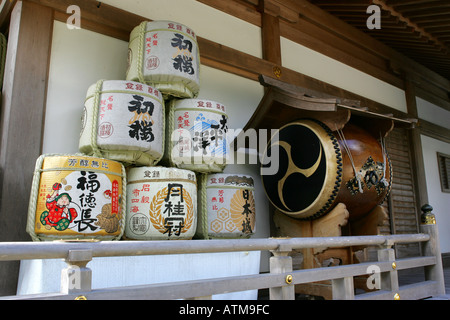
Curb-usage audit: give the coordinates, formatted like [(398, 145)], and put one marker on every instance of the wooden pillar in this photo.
[(432, 248), (270, 31), (420, 184), (281, 262), (22, 121)]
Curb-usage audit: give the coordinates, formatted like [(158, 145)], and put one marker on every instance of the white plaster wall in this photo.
[(207, 22), (44, 276), (79, 58), (225, 29), (430, 112), (321, 67), (440, 201)]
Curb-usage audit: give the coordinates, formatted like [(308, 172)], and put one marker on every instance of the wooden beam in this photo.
[(234, 61), (5, 14), (97, 16), (434, 131), (429, 93), (353, 35), (339, 40), (327, 34), (415, 142), (22, 120), (109, 20), (270, 32)]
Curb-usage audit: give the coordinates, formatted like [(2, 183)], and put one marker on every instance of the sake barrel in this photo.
[(197, 135), (161, 204), (77, 197), (226, 206), (123, 121), (165, 55), (318, 168)]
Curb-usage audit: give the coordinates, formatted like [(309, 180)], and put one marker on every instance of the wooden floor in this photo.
[(418, 275), (447, 280), (404, 278)]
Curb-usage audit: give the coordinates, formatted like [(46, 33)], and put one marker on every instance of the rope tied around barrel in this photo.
[(94, 129)]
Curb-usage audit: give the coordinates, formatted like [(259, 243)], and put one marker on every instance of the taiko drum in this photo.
[(318, 168)]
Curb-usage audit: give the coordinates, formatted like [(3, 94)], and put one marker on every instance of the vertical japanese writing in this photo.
[(141, 123), (246, 227), (89, 184), (183, 121), (115, 197), (183, 57), (151, 41), (174, 209)]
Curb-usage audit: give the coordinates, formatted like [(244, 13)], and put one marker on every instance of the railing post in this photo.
[(343, 289), (77, 277), (389, 279), (281, 262), (432, 248)]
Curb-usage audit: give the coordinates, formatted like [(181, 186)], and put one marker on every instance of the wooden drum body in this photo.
[(319, 168)]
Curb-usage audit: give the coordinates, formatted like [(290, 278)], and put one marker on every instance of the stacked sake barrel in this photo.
[(153, 140)]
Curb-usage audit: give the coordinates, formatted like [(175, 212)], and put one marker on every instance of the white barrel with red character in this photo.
[(165, 55), (123, 121)]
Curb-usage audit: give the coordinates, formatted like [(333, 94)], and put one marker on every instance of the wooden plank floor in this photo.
[(418, 275), (447, 280), (404, 278)]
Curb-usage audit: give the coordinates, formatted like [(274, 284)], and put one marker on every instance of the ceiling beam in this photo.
[(410, 23)]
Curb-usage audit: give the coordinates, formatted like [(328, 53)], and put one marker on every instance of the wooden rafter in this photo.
[(430, 13)]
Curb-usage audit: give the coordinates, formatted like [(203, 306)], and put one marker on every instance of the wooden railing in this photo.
[(76, 279)]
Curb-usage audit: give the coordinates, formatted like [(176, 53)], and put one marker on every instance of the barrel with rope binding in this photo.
[(319, 168), (76, 197)]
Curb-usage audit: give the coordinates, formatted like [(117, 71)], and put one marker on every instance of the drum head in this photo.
[(309, 172)]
